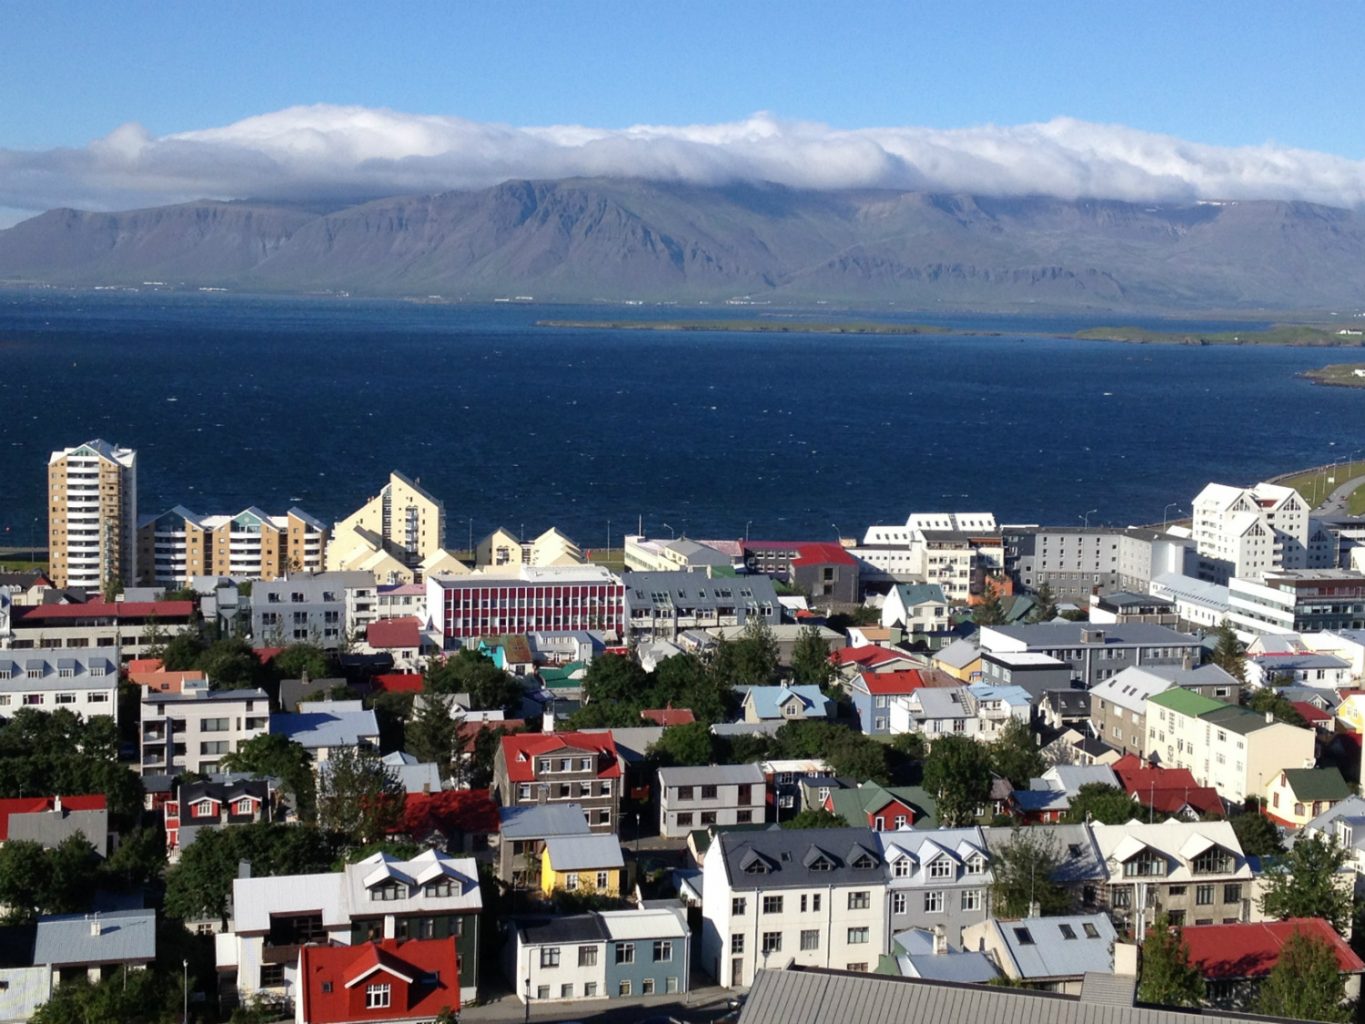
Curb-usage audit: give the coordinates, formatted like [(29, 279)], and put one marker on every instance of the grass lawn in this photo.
[(10, 564), (1317, 484)]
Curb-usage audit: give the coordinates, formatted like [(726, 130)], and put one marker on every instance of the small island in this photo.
[(1293, 335), (757, 326), (1341, 375)]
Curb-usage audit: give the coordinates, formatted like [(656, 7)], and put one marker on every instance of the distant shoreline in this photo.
[(1337, 375), (760, 327)]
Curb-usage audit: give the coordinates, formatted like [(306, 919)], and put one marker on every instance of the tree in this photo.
[(296, 659), (1271, 700), (688, 744), (36, 881), (684, 681), (130, 997), (1305, 883), (1102, 804), (1023, 870), (615, 678), (229, 664), (431, 733), (909, 745), (1230, 653), (181, 652), (273, 755), (991, 611), (61, 752), (810, 658), (1044, 605), (1255, 832), (958, 774), (1168, 978), (468, 671), (1015, 755), (358, 795), (815, 817), (755, 653), (1306, 983)]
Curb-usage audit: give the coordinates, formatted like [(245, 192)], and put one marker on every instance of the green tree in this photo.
[(296, 659), (689, 744), (1044, 605), (1307, 882), (1014, 754), (468, 671), (605, 715), (991, 611), (1230, 653), (1168, 978), (745, 748), (810, 659), (358, 795), (684, 681), (958, 774), (431, 732), (36, 881), (1255, 832), (1271, 700), (230, 664), (130, 997), (140, 858), (909, 745), (275, 756), (1102, 804), (1024, 872), (615, 678), (60, 752), (815, 817), (1306, 983), (181, 652), (755, 653)]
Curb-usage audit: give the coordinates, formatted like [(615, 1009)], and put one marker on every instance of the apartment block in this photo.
[(192, 730), (322, 608), (131, 626), (84, 682), (92, 515), (1251, 531), (569, 767), (718, 794), (525, 599), (1118, 706), (1297, 601), (1095, 653), (180, 544), (955, 550), (664, 604), (395, 536), (1071, 561), (938, 879)]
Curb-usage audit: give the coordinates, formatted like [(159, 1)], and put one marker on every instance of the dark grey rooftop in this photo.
[(784, 858), (578, 928), (1069, 634)]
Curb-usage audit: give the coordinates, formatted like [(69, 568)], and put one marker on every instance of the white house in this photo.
[(81, 680)]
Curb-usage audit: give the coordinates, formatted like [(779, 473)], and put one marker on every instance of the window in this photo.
[(623, 989), (66, 698), (1212, 861), (565, 991), (859, 900), (663, 951), (738, 906), (686, 792), (440, 887), (772, 904), (941, 868), (213, 725), (861, 967), (272, 975), (1122, 897), (647, 987), (708, 792), (933, 902), (389, 890), (625, 952), (587, 956), (901, 869), (671, 983), (1232, 894), (900, 821), (377, 997), (744, 817), (899, 903), (772, 942), (857, 936), (1023, 936), (1067, 931), (685, 819), (737, 943), (810, 939), (549, 956), (602, 880), (1203, 895), (1091, 932), (542, 991), (708, 817), (977, 865), (589, 989), (571, 881), (971, 899)]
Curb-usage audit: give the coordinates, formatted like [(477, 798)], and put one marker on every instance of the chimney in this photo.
[(95, 928), (1187, 662), (1126, 959), (1269, 716), (244, 869), (940, 940), (57, 803)]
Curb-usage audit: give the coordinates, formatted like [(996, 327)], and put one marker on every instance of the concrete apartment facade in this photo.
[(83, 681), (1118, 706), (664, 604), (180, 544), (525, 599), (939, 878), (956, 550), (92, 515), (569, 767), (1095, 653), (718, 794), (1251, 531), (193, 730), (320, 608), (1072, 561), (1297, 601)]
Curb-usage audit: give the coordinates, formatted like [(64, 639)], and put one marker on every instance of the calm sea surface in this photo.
[(234, 401)]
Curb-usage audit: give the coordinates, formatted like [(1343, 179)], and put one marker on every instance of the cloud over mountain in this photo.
[(328, 151)]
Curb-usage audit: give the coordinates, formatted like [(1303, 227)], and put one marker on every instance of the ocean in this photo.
[(234, 401)]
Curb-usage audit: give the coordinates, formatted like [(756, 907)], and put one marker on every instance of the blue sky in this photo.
[(1216, 73), (1118, 100)]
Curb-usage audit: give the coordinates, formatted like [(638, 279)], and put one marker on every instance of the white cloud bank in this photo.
[(354, 152)]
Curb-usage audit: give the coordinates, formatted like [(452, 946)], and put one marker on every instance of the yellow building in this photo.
[(179, 544), (392, 535), (1296, 796), (502, 547), (92, 515), (1351, 712), (961, 659), (585, 864)]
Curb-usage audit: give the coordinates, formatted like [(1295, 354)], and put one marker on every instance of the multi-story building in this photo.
[(1297, 601), (979, 711), (83, 681), (523, 834), (180, 544), (955, 550), (824, 571), (1095, 653), (1194, 871), (873, 692), (918, 609), (1230, 748), (664, 604), (580, 768), (322, 608), (1118, 706), (1199, 604), (386, 982), (810, 897), (396, 536), (502, 547), (939, 879), (528, 599), (190, 731), (1252, 531), (431, 896), (1073, 561), (718, 794), (92, 515), (1145, 554), (647, 554), (134, 627), (216, 801)]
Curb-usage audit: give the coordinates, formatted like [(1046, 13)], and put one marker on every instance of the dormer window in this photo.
[(941, 868), (864, 861), (976, 865), (201, 808), (389, 891), (1145, 865), (440, 887), (243, 806), (901, 868), (1213, 861)]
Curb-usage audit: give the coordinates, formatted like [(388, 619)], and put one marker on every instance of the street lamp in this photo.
[(671, 534), (527, 983), (747, 524), (1166, 511), (608, 538), (1086, 517), (185, 982)]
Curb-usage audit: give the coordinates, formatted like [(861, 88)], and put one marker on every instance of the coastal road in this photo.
[(1335, 503)]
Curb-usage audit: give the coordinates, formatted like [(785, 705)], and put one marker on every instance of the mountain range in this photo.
[(626, 239)]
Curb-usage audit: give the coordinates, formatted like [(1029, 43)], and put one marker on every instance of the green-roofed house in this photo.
[(1296, 796), (884, 808), (563, 677), (1236, 751)]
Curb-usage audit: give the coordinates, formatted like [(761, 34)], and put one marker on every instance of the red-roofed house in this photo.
[(400, 637), (378, 982), (48, 820), (1235, 958), (400, 682), (123, 624), (1314, 715), (573, 767), (873, 692), (152, 674), (850, 660), (825, 571), (668, 716), (1171, 792), (461, 818)]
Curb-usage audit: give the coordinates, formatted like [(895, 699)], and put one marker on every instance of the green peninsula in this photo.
[(1343, 375), (1295, 335)]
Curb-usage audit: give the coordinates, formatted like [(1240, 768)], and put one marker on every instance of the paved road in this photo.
[(1335, 503)]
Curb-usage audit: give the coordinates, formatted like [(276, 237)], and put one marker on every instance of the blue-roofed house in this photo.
[(523, 833), (87, 945), (996, 705), (927, 954), (1050, 953), (786, 704), (329, 725)]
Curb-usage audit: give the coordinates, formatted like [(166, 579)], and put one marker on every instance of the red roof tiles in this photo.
[(867, 655), (1167, 790), (423, 976), (391, 633), (886, 683), (400, 682), (1228, 951), (521, 751)]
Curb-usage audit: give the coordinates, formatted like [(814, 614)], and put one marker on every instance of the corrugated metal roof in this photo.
[(537, 821), (712, 775), (124, 936), (1058, 947), (655, 923), (583, 853)]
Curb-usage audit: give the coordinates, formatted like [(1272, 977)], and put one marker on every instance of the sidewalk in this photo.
[(704, 1003)]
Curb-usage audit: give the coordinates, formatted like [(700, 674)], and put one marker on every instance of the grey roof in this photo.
[(1068, 634), (837, 997), (202, 696), (554, 930), (584, 853), (711, 775), (1197, 591), (1303, 660), (125, 936), (1068, 702), (1057, 947), (746, 728), (785, 858), (633, 742), (1071, 777), (693, 591), (415, 776), (947, 702), (959, 653), (1075, 845), (541, 820), (50, 828), (1129, 599), (917, 959), (336, 723)]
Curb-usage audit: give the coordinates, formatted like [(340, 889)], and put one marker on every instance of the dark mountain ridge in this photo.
[(625, 239)]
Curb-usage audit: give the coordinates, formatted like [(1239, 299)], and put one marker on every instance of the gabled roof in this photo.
[(521, 750), (584, 853), (537, 821), (768, 701), (1231, 951), (1165, 790), (327, 723), (1312, 784), (429, 967), (1058, 947), (772, 859), (123, 936), (400, 682), (889, 683), (390, 633), (869, 656), (44, 805)]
